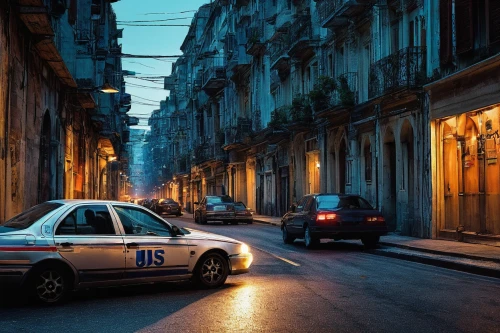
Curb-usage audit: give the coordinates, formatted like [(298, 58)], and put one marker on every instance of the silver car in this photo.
[(61, 245)]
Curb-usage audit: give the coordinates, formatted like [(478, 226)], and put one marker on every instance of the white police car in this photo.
[(61, 245)]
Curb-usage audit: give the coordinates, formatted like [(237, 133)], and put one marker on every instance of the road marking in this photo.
[(278, 257)]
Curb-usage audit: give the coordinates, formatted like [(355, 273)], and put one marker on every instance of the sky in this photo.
[(146, 87)]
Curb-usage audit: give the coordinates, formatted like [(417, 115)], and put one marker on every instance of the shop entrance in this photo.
[(471, 172)]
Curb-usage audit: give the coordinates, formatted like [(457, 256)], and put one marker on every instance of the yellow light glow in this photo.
[(244, 248)]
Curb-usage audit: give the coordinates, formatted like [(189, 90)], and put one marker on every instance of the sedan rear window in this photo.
[(30, 216), (213, 200), (346, 202)]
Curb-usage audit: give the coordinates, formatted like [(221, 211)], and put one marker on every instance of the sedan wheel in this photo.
[(309, 240), (287, 239), (51, 285), (212, 271)]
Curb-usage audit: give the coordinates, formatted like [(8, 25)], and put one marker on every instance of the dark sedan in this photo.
[(215, 208), (243, 213), (167, 206), (333, 216)]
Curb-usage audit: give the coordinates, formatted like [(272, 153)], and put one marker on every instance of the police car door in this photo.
[(87, 237), (152, 252)]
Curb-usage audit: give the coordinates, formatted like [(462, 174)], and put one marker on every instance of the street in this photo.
[(338, 287)]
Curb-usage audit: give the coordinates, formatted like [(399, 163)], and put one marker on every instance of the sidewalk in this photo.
[(467, 257)]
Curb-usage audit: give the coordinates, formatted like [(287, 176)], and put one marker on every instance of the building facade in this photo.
[(373, 97), (60, 135)]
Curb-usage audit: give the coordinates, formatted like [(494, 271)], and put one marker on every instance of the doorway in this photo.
[(389, 196)]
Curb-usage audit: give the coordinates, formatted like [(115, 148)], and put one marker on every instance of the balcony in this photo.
[(239, 3), (237, 65), (301, 37), (405, 69), (245, 14), (208, 152), (214, 77), (256, 44), (280, 60), (132, 121), (347, 91), (335, 13)]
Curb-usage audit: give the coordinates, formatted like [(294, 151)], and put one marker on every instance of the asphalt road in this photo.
[(336, 288)]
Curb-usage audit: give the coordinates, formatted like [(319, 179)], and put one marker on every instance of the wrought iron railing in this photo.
[(279, 47), (403, 69), (301, 28), (214, 70), (326, 8)]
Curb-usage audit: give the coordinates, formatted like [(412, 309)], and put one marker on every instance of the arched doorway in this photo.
[(44, 173), (406, 214), (389, 179)]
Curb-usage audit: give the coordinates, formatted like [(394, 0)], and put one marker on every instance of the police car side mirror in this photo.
[(176, 231)]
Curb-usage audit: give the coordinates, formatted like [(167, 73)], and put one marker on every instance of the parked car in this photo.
[(242, 213), (215, 208), (148, 203), (60, 245), (167, 206), (334, 216)]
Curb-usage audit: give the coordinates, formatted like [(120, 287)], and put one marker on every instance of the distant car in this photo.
[(61, 245), (334, 216), (242, 213), (167, 206), (215, 208)]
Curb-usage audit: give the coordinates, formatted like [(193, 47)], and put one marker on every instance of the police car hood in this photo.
[(197, 234)]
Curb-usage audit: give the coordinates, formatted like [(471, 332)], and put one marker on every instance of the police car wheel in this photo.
[(212, 271), (51, 285)]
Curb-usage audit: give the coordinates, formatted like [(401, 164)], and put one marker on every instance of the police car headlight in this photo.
[(244, 249)]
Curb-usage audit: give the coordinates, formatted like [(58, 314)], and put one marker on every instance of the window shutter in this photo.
[(463, 24), (445, 31), (494, 12)]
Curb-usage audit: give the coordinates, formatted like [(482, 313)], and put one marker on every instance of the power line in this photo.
[(145, 98), (154, 25), (183, 12), (126, 55), (171, 19)]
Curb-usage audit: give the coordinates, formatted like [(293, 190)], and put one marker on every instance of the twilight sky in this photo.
[(146, 87)]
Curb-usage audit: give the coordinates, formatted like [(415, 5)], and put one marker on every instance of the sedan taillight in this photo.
[(326, 217), (375, 220)]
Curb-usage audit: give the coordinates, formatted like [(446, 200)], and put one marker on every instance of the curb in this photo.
[(448, 264), (438, 252)]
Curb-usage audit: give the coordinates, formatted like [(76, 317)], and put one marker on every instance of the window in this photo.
[(87, 220), (353, 202), (27, 218), (141, 223)]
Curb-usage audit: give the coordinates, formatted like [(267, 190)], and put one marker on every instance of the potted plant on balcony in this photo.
[(346, 95), (279, 117), (321, 93), (300, 109)]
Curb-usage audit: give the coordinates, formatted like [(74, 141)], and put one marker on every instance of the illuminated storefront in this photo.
[(470, 170), (465, 126)]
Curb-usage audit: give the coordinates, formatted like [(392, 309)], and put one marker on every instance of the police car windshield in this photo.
[(30, 216)]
